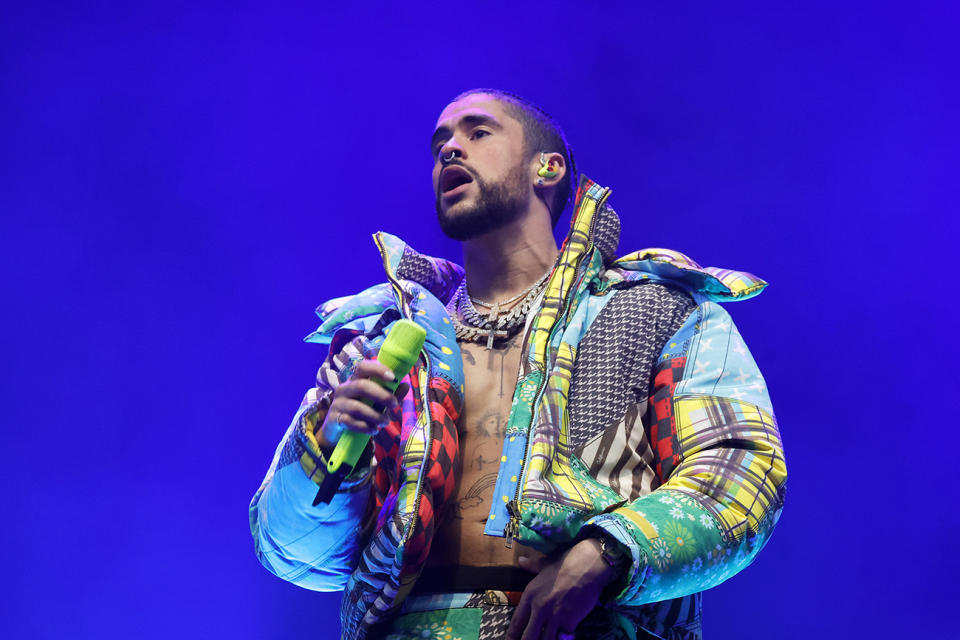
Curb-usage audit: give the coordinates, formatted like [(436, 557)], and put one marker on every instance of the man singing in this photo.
[(584, 446)]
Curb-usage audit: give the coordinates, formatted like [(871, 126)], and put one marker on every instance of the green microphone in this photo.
[(398, 353)]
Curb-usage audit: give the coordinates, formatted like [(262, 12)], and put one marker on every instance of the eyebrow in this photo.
[(470, 120)]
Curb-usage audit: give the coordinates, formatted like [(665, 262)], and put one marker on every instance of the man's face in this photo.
[(485, 186)]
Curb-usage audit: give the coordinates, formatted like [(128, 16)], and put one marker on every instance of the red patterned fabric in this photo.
[(386, 449), (663, 430), (441, 467)]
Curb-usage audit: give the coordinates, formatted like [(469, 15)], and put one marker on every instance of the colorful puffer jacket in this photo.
[(688, 473)]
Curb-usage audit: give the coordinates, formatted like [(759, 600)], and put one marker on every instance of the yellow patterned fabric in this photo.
[(742, 481)]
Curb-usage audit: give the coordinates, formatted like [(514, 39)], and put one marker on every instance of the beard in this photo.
[(498, 204)]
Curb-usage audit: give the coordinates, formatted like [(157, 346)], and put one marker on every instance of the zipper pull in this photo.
[(513, 526)]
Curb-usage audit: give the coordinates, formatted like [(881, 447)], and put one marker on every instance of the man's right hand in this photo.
[(348, 410)]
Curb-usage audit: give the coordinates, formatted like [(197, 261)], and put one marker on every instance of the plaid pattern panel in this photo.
[(733, 457), (564, 278), (549, 460), (555, 499), (726, 446)]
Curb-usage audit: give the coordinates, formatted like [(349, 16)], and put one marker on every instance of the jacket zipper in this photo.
[(418, 493), (513, 525), (513, 507), (427, 429)]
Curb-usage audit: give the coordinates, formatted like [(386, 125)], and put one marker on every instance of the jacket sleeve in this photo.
[(316, 547), (719, 458)]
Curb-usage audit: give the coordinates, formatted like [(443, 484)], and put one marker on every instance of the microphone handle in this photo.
[(399, 353)]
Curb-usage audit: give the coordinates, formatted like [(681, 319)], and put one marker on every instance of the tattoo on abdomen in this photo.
[(475, 494), (480, 462)]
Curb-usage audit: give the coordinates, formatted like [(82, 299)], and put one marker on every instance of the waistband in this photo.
[(459, 600), (457, 579)]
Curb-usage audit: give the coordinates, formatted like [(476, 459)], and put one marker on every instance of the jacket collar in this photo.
[(594, 226), (441, 277)]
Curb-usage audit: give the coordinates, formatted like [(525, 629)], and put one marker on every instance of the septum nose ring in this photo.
[(453, 154)]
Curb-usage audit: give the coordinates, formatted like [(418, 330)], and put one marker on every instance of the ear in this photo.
[(550, 171)]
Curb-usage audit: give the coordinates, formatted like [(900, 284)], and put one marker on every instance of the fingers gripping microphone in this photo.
[(398, 353)]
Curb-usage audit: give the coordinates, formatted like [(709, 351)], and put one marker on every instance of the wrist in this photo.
[(330, 429), (327, 436), (590, 554), (321, 431), (612, 552), (613, 557)]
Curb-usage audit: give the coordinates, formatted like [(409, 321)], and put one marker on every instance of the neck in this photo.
[(504, 262)]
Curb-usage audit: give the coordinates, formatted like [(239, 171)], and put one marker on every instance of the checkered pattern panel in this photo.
[(418, 546), (663, 427), (386, 450), (397, 574), (446, 404)]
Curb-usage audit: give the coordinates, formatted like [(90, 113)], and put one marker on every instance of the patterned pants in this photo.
[(485, 615)]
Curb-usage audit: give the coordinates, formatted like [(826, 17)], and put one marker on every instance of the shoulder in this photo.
[(673, 268), (644, 296), (632, 328), (358, 312), (644, 308)]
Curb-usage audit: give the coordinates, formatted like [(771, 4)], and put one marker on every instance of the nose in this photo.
[(451, 149)]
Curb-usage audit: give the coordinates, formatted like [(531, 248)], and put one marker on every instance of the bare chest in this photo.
[(490, 377)]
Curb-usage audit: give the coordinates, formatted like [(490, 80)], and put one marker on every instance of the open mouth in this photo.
[(452, 178)]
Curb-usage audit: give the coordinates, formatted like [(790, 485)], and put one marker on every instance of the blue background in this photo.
[(181, 183)]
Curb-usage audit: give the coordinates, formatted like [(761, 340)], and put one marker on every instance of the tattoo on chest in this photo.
[(495, 362), (491, 425), (483, 427)]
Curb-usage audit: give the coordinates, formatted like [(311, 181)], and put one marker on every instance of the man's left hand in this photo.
[(564, 591)]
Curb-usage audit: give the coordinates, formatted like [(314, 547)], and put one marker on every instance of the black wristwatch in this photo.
[(611, 551), (617, 557)]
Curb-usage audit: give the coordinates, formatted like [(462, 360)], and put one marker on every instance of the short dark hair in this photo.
[(540, 133)]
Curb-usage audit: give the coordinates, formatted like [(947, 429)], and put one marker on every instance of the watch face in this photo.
[(610, 550)]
